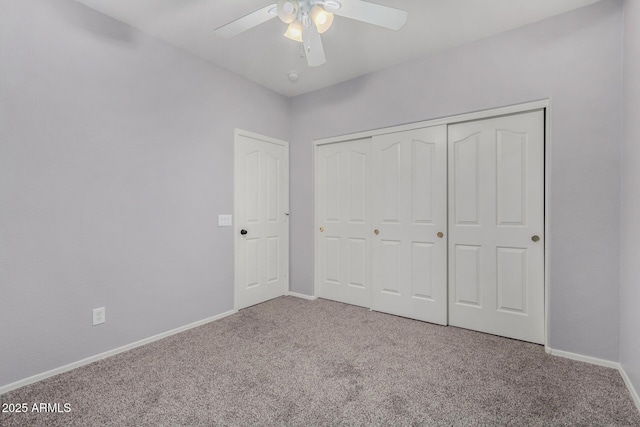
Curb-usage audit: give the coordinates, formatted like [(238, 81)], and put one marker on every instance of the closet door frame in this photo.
[(544, 104)]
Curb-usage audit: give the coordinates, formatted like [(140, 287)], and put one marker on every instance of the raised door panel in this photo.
[(422, 264), (331, 179), (273, 179), (357, 185), (252, 187), (273, 259), (252, 267), (511, 172), (512, 280), (389, 271), (466, 278), (390, 183), (465, 183), (358, 263), (332, 257), (423, 181)]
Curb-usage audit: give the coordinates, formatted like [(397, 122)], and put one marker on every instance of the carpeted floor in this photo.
[(295, 362)]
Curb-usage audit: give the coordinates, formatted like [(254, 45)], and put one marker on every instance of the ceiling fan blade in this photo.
[(247, 22), (312, 43), (383, 16)]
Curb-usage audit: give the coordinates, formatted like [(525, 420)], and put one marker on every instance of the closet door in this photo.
[(496, 226), (343, 223), (409, 197)]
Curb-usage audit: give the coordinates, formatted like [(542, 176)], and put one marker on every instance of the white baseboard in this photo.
[(600, 362), (582, 358), (303, 296), (632, 389), (39, 377)]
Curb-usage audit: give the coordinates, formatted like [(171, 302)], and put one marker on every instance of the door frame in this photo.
[(236, 227), (543, 104)]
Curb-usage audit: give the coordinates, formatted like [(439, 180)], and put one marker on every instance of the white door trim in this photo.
[(476, 115), (236, 226)]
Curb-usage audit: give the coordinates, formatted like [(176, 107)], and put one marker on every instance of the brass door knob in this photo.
[(440, 234), (322, 229), (535, 238), (376, 231)]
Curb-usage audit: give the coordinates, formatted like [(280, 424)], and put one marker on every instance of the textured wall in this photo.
[(630, 195), (575, 60), (114, 164)]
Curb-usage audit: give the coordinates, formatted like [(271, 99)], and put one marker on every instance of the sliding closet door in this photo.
[(496, 226), (409, 197), (343, 223)]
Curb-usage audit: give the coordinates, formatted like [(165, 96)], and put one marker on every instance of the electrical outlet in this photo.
[(98, 316)]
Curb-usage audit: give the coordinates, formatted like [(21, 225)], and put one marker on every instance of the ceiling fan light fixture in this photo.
[(294, 31), (321, 18), (288, 10)]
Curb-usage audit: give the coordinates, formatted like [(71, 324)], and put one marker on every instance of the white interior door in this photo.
[(343, 224), (496, 226), (409, 223), (261, 210)]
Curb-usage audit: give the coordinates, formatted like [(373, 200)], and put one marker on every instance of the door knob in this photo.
[(440, 234), (376, 231), (535, 238), (322, 229), (243, 232)]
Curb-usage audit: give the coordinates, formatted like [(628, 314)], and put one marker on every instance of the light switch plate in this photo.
[(225, 221)]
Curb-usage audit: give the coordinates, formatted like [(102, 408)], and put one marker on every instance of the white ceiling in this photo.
[(352, 48)]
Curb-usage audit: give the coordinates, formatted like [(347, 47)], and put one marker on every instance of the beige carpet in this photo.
[(296, 362)]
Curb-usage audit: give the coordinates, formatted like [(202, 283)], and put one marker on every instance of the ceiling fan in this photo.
[(308, 19)]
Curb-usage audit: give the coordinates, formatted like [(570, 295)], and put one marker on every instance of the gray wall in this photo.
[(630, 195), (114, 164), (573, 59)]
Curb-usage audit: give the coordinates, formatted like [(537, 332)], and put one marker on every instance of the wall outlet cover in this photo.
[(98, 316)]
